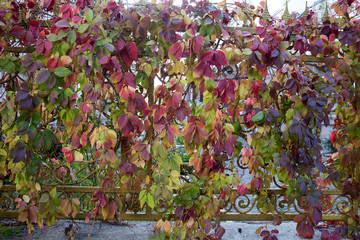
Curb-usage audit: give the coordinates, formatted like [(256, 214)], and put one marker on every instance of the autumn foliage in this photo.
[(115, 86)]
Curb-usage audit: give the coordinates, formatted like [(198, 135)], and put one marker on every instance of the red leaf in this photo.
[(120, 45), (122, 121), (132, 50), (104, 60), (48, 45), (261, 31), (174, 130), (219, 232), (325, 235), (209, 161), (264, 233), (198, 42), (333, 136), (17, 31), (130, 79), (177, 50), (242, 189), (207, 56), (111, 210), (64, 8), (298, 218)]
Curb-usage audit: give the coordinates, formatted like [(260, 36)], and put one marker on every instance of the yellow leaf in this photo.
[(104, 212), (195, 161), (221, 4), (258, 231), (76, 201), (78, 156), (249, 139), (190, 223), (148, 69), (147, 179), (3, 152), (26, 198), (37, 187), (113, 137)]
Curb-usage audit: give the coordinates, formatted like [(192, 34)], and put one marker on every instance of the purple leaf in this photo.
[(219, 232), (265, 233), (43, 76), (62, 24)]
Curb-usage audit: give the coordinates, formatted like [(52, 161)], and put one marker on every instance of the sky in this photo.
[(294, 5)]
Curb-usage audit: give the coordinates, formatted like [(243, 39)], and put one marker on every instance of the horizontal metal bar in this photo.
[(223, 217), (32, 49), (91, 189)]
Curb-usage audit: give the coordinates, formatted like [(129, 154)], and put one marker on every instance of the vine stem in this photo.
[(92, 227)]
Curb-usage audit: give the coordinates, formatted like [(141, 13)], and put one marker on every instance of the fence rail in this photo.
[(244, 208)]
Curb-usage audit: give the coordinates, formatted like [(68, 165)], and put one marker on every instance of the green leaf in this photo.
[(163, 152), (36, 118), (89, 15), (53, 192), (289, 114), (237, 128), (61, 34), (52, 37), (64, 48), (62, 72), (71, 36), (260, 116), (150, 200), (83, 27), (142, 198)]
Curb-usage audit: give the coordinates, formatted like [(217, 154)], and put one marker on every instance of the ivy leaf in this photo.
[(62, 72)]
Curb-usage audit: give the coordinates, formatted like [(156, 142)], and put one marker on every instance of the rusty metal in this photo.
[(243, 208)]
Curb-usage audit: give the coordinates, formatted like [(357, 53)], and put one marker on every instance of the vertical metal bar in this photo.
[(356, 202), (150, 135)]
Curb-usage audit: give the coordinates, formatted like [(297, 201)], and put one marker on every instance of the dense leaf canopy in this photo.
[(117, 87)]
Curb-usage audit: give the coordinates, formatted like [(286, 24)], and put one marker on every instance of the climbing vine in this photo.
[(118, 86)]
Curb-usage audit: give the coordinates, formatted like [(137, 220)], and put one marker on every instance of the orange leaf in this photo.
[(195, 161), (65, 60), (167, 227)]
